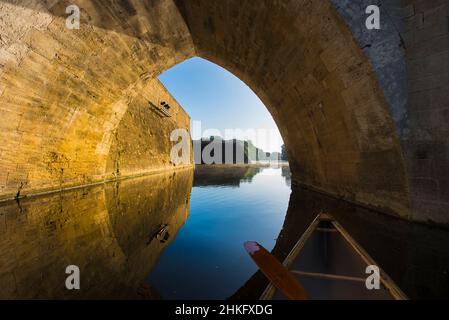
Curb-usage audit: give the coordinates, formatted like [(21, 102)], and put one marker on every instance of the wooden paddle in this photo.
[(279, 276)]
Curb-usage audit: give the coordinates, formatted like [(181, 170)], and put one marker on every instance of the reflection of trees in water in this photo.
[(225, 175), (414, 255), (287, 174), (234, 175), (251, 173), (109, 231)]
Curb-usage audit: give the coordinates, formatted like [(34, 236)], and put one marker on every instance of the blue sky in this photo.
[(214, 96)]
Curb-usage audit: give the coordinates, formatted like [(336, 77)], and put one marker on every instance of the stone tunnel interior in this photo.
[(363, 115)]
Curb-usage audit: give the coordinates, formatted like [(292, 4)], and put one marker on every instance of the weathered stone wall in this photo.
[(141, 142), (385, 50), (410, 55), (426, 35), (64, 92)]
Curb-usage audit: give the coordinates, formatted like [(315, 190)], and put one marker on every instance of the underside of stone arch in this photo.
[(74, 103)]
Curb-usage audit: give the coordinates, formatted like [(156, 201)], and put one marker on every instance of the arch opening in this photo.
[(301, 60), (229, 123)]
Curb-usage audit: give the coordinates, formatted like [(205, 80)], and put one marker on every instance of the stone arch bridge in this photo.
[(364, 114)]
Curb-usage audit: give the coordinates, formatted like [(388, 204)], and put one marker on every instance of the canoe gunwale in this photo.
[(388, 283), (270, 290)]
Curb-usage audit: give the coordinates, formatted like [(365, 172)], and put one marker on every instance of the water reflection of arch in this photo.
[(225, 175), (40, 237), (138, 209)]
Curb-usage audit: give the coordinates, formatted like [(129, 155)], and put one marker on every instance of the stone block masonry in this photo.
[(141, 142), (64, 93), (363, 114), (427, 146)]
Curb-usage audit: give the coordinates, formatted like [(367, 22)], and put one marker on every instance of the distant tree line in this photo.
[(219, 151)]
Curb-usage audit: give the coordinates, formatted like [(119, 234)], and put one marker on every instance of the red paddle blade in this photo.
[(278, 275)]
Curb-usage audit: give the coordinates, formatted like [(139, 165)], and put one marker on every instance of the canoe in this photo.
[(331, 265)]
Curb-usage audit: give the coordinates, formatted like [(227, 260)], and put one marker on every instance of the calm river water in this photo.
[(207, 259), (166, 236), (180, 236)]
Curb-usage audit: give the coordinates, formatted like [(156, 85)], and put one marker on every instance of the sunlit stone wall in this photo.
[(141, 143), (63, 93)]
